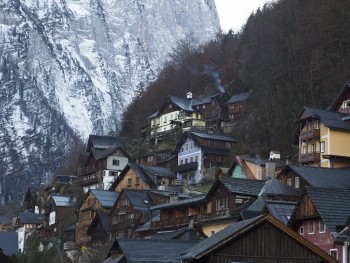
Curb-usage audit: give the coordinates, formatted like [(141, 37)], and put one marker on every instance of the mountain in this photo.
[(69, 68)]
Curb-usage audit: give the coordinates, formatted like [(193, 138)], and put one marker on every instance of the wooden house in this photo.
[(105, 160), (299, 177), (257, 240), (130, 211), (100, 230), (60, 214), (198, 151), (163, 158), (144, 177), (93, 202), (322, 218), (236, 104)]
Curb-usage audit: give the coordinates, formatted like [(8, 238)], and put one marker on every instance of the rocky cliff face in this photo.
[(70, 67)]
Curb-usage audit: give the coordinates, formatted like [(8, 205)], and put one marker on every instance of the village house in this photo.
[(94, 201), (144, 177), (323, 136), (198, 151), (60, 214), (322, 217), (299, 177), (106, 159), (130, 211), (164, 158), (255, 240)]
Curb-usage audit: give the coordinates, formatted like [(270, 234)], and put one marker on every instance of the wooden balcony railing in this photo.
[(313, 134), (187, 167), (90, 178), (309, 157), (174, 222)]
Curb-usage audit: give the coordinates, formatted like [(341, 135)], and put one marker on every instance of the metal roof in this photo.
[(212, 136), (65, 201), (106, 198), (250, 187), (282, 210), (196, 199), (105, 142), (9, 242), (30, 217), (140, 199)]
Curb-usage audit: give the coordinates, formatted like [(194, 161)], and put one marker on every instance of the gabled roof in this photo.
[(321, 177), (64, 201), (335, 104), (249, 187), (104, 142), (276, 187), (182, 103), (184, 202), (239, 97), (9, 242), (100, 217), (207, 99), (148, 174), (282, 210), (104, 153), (238, 230), (332, 205), (212, 136), (139, 199), (30, 217), (106, 198), (330, 119), (147, 250)]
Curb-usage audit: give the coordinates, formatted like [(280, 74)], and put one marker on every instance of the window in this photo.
[(212, 232), (115, 162), (322, 147), (196, 158), (289, 181), (301, 230), (334, 253), (170, 106), (313, 146), (218, 206), (297, 182), (309, 126), (321, 226), (191, 159), (311, 227), (225, 202), (316, 124), (138, 180), (129, 182), (305, 149), (186, 146), (181, 161)]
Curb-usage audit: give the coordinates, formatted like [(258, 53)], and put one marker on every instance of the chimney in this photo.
[(189, 95), (270, 169)]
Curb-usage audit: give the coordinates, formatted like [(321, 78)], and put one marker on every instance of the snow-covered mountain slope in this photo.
[(72, 66)]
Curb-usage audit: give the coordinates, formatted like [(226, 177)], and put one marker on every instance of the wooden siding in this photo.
[(130, 181), (265, 244)]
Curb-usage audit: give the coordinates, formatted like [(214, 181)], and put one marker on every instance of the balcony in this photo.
[(187, 167), (312, 157), (313, 134), (175, 222), (90, 178)]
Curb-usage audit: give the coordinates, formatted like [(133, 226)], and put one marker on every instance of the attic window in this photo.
[(115, 162)]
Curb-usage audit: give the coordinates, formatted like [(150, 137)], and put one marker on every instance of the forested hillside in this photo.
[(290, 53)]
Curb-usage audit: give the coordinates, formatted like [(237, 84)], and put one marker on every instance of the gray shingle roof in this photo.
[(103, 218), (243, 186), (105, 142), (197, 199), (146, 250), (9, 242), (30, 217), (182, 103), (276, 187), (219, 237), (140, 199), (106, 198), (212, 136), (331, 119), (239, 97), (332, 204), (323, 177), (282, 210), (65, 201)]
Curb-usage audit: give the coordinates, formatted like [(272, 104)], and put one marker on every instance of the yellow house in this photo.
[(323, 136)]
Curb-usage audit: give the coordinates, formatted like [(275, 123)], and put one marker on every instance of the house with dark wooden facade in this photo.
[(299, 177), (141, 177), (94, 201), (130, 211), (105, 160), (262, 239), (322, 217)]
